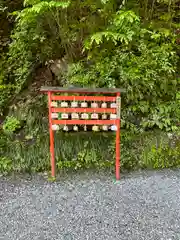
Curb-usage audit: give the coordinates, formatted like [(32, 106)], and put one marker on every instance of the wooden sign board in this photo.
[(98, 107)]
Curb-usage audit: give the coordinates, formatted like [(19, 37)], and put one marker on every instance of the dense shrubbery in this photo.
[(76, 151), (143, 62), (112, 43)]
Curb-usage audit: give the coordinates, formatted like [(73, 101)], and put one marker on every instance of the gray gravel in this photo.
[(143, 205)]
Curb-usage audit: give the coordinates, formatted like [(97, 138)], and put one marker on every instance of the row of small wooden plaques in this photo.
[(82, 104), (75, 128), (82, 116)]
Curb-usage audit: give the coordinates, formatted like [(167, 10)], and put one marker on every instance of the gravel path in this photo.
[(142, 206)]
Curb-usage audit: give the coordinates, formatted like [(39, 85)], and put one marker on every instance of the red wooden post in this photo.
[(118, 140), (52, 156)]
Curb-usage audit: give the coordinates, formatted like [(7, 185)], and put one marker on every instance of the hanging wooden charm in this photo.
[(95, 128), (84, 105), (65, 128), (113, 128), (75, 128), (104, 105), (104, 116), (64, 116), (54, 104), (94, 116), (94, 105), (105, 128), (113, 105), (55, 127), (113, 116), (75, 116), (84, 116), (54, 115), (74, 104), (64, 104)]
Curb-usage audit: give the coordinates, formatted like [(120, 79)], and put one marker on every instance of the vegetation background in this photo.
[(132, 44)]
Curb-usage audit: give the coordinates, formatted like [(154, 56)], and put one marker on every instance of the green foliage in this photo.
[(5, 95), (48, 30), (123, 27), (163, 157), (31, 41), (142, 63), (162, 154), (11, 124), (79, 151), (5, 165), (37, 8)]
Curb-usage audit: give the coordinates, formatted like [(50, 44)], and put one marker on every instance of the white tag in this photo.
[(65, 128), (113, 128), (75, 116), (113, 105), (104, 116), (94, 105), (64, 116), (75, 128), (55, 127), (84, 116), (94, 116), (53, 104), (113, 116), (54, 115), (104, 105), (74, 104), (105, 128), (95, 128), (64, 104), (84, 104)]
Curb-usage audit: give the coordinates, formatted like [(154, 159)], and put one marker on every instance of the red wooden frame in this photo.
[(52, 97)]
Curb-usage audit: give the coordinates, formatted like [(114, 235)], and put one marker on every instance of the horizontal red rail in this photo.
[(84, 122), (82, 110), (84, 98)]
